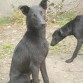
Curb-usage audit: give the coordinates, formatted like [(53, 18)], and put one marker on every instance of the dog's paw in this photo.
[(69, 61)]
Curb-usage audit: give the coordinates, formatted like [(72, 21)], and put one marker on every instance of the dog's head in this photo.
[(57, 36), (35, 16)]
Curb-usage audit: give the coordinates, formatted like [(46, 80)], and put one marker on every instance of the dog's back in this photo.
[(78, 27)]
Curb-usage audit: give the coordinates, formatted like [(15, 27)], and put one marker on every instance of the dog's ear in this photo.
[(24, 9), (43, 4), (61, 33)]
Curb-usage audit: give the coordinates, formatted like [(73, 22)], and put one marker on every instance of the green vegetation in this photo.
[(4, 21), (63, 18), (56, 48), (7, 46), (7, 49), (1, 54), (16, 17)]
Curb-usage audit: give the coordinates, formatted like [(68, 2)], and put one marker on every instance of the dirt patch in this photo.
[(58, 70)]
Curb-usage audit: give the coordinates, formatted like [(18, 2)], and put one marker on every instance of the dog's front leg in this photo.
[(79, 44), (35, 73), (44, 72)]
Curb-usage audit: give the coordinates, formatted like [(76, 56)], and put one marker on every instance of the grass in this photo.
[(7, 46), (4, 21), (1, 54), (63, 18), (6, 50), (16, 17), (56, 48)]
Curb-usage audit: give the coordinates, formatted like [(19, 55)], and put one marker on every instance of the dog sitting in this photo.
[(30, 53)]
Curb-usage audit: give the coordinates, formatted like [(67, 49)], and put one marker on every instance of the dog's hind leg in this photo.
[(24, 79), (44, 72), (79, 44), (20, 78)]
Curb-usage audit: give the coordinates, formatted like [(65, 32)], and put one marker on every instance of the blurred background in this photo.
[(9, 8), (13, 27)]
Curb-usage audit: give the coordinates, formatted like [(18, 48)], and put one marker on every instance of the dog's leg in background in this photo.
[(79, 44), (44, 72)]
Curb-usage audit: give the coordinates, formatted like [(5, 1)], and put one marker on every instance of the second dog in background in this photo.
[(74, 27)]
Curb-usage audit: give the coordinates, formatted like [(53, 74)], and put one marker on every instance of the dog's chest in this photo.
[(43, 47), (39, 52), (38, 48)]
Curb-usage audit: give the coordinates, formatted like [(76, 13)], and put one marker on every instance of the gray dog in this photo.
[(30, 53), (74, 27)]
